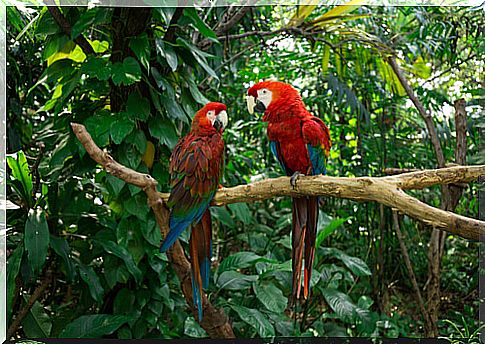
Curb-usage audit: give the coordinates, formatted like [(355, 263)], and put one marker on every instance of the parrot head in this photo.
[(212, 117), (273, 98)]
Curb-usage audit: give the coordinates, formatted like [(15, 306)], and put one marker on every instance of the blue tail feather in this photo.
[(196, 297)]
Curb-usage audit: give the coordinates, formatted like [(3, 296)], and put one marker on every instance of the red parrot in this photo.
[(301, 143), (196, 168)]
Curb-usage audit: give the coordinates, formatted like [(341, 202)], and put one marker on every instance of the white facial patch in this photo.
[(265, 96), (211, 115)]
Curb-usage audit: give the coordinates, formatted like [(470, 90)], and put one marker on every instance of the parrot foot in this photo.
[(294, 178)]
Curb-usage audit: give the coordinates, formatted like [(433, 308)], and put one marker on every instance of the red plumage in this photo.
[(196, 168), (301, 143)]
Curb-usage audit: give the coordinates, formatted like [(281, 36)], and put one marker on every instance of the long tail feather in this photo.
[(305, 217), (310, 239), (200, 257), (298, 242)]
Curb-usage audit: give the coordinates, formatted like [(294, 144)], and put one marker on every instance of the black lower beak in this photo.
[(259, 106), (217, 124)]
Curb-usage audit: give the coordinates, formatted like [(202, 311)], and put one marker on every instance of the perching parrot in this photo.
[(301, 143), (196, 168)]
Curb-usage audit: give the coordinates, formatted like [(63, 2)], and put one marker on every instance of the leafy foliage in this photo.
[(137, 94)]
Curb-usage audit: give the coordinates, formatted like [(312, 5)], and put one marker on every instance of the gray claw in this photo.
[(294, 179)]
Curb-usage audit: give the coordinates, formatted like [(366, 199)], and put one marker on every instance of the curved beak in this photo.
[(255, 105), (251, 102), (220, 121)]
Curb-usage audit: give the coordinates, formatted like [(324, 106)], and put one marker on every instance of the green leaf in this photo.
[(199, 56), (356, 265), (85, 21), (164, 131), (97, 67), (138, 139), (124, 301), (121, 252), (36, 324), (193, 329), (137, 106), (20, 171), (270, 296), (126, 73), (116, 184), (36, 239), (194, 90), (121, 128), (137, 205), (151, 232), (94, 326), (203, 28), (242, 212), (222, 215), (329, 229), (233, 280), (141, 47), (13, 267), (89, 276), (256, 319), (239, 260), (167, 52), (61, 247), (340, 303)]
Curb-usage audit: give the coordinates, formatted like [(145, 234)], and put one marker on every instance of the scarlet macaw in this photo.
[(301, 143), (196, 168)]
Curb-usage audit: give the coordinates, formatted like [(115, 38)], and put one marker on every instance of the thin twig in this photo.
[(409, 267), (38, 292)]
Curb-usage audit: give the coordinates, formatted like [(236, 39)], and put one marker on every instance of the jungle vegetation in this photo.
[(83, 256)]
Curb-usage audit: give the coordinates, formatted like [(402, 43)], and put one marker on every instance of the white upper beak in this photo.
[(251, 102), (223, 118)]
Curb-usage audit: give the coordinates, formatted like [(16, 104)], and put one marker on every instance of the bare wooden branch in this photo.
[(215, 322), (38, 292)]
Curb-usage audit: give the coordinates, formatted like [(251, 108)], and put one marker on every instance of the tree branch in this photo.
[(66, 27), (409, 267), (215, 322), (38, 292)]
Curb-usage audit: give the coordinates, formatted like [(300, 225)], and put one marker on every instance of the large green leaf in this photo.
[(126, 73), (141, 47), (270, 296), (167, 52), (203, 28), (97, 67), (256, 319), (20, 172), (94, 326), (36, 324), (356, 265), (137, 106), (89, 276), (121, 252), (193, 329), (199, 56), (13, 267), (36, 239), (121, 128), (61, 247), (233, 280), (340, 303), (329, 229), (164, 131), (239, 260), (242, 212)]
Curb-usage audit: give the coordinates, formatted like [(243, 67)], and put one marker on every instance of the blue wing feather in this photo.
[(318, 159), (274, 149), (178, 223)]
